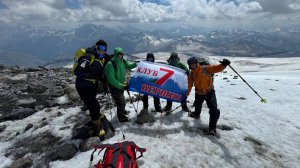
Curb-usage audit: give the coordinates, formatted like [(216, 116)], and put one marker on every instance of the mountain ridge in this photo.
[(48, 44)]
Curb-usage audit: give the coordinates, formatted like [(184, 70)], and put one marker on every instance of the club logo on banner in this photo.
[(159, 80)]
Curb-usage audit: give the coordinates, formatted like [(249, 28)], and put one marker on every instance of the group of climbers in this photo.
[(96, 65)]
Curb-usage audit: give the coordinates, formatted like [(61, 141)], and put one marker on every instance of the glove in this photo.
[(126, 87), (225, 62)]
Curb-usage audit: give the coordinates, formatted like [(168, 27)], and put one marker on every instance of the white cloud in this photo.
[(135, 11)]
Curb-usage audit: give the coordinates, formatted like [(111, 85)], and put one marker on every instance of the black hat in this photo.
[(192, 60), (101, 43), (150, 55), (174, 55)]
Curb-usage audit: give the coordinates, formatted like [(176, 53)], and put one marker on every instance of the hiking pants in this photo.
[(88, 96), (183, 104), (211, 102), (156, 102), (118, 96)]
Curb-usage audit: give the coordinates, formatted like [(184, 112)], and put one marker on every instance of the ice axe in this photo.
[(262, 100)]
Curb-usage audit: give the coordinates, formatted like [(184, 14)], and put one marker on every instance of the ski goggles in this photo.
[(102, 48)]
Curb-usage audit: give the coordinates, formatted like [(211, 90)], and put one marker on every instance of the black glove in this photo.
[(126, 87), (225, 62)]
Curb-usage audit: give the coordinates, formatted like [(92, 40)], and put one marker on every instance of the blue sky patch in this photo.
[(159, 2), (3, 6), (72, 4)]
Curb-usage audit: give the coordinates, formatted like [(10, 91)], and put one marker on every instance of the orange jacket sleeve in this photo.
[(214, 68), (190, 84)]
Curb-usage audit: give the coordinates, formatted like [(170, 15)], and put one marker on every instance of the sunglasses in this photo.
[(121, 54), (102, 48)]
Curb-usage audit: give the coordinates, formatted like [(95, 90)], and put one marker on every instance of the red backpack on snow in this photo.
[(118, 155)]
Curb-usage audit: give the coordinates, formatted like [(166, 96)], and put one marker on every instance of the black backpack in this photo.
[(203, 62)]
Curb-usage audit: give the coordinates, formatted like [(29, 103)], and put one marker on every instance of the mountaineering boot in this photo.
[(212, 132), (126, 112), (123, 119), (167, 108), (98, 127), (194, 115), (158, 109), (98, 123), (185, 108), (212, 127)]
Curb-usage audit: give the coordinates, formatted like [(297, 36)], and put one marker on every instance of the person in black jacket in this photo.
[(89, 71), (150, 58)]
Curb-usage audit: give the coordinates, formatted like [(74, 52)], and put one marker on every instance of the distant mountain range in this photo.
[(30, 46)]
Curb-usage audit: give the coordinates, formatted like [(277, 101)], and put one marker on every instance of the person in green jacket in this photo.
[(115, 72), (175, 61)]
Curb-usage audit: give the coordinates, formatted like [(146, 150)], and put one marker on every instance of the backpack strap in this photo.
[(137, 148), (204, 70), (124, 150), (116, 148), (114, 64), (101, 147)]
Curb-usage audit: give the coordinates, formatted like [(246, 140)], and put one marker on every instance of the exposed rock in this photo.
[(241, 98), (30, 103), (70, 90), (28, 127), (63, 152), (41, 143), (59, 114), (22, 163), (20, 78), (144, 117), (2, 128), (36, 88), (8, 103), (18, 114), (88, 144)]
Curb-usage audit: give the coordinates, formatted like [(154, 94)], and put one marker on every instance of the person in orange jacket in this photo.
[(201, 78)]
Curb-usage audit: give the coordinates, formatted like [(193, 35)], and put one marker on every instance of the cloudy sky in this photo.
[(188, 12)]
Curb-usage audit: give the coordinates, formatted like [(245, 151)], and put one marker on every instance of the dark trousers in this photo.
[(118, 96), (88, 96), (211, 102), (156, 103), (183, 104)]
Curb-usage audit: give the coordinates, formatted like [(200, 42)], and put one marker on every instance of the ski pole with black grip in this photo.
[(261, 99)]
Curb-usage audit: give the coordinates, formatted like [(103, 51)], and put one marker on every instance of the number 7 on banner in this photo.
[(164, 78)]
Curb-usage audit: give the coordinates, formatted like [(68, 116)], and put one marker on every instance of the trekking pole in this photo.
[(137, 104), (110, 101), (177, 107), (108, 98), (261, 99), (131, 101)]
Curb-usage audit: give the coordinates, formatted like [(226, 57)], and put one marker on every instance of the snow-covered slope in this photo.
[(252, 134)]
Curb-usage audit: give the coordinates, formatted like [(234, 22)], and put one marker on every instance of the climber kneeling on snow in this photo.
[(201, 78)]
